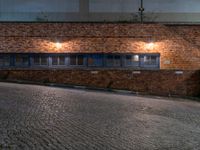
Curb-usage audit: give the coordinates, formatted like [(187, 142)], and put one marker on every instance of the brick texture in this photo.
[(178, 46), (151, 82)]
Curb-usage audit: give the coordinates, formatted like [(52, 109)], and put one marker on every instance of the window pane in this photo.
[(95, 60), (54, 60), (150, 60), (25, 60), (61, 60), (117, 61), (135, 58), (80, 60), (113, 60), (109, 60), (132, 60), (21, 60), (18, 60), (4, 60), (91, 61), (1, 61), (128, 60), (99, 61), (7, 61), (153, 60), (36, 60), (44, 60), (73, 60)]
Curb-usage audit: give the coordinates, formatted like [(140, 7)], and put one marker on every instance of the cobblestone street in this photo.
[(39, 117)]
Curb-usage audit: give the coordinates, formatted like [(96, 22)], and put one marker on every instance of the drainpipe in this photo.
[(141, 9)]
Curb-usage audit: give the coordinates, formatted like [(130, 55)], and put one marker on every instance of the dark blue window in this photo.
[(77, 59), (150, 61), (58, 60), (40, 60), (21, 60), (5, 60), (113, 60), (132, 60), (95, 60), (144, 61)]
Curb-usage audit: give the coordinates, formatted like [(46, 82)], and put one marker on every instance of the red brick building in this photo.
[(104, 55)]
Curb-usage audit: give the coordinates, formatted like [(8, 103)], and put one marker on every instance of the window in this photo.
[(95, 60), (150, 61), (55, 60), (21, 60), (40, 60), (132, 60), (73, 60), (1, 61), (113, 60), (4, 60), (44, 60), (145, 61), (61, 60), (77, 60), (58, 60), (36, 60), (80, 60)]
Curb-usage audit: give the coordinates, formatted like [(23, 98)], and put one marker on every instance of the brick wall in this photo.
[(189, 33), (177, 52), (151, 82)]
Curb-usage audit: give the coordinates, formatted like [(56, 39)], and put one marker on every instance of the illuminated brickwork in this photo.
[(177, 50)]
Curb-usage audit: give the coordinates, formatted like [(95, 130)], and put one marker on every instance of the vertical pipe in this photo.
[(141, 9)]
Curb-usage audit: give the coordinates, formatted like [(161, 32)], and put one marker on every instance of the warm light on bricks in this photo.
[(58, 45), (150, 45)]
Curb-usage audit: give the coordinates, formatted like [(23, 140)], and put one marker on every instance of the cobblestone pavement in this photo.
[(39, 117)]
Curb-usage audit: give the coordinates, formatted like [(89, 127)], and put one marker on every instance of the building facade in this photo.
[(150, 58), (72, 42), (136, 46)]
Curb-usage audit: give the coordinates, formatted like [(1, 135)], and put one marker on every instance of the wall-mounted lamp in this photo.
[(150, 45), (58, 45)]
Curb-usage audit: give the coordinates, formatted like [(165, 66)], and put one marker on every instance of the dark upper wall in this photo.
[(177, 6), (39, 6), (99, 10)]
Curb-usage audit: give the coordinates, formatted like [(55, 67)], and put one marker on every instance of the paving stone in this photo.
[(39, 117)]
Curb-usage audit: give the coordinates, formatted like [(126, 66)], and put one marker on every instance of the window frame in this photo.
[(100, 60), (113, 59), (76, 59), (40, 56), (150, 66), (132, 65), (22, 64), (58, 60), (4, 58)]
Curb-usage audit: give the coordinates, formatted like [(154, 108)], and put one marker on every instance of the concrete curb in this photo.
[(126, 92), (71, 86)]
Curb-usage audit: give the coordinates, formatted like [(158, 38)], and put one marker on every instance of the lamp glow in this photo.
[(58, 45), (150, 45)]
